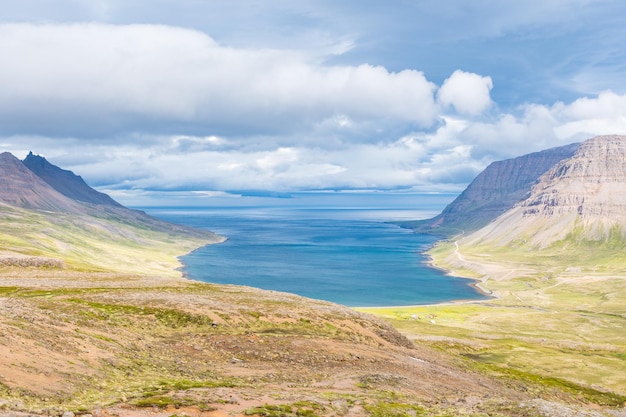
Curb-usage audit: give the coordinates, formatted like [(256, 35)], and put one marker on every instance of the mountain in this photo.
[(21, 187), (580, 199), (66, 182), (48, 213), (494, 191)]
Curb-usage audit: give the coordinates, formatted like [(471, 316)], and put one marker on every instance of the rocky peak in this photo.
[(66, 182), (20, 187)]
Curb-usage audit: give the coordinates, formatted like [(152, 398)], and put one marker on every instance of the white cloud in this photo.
[(468, 93), (604, 114), (445, 158), (104, 80), (155, 107)]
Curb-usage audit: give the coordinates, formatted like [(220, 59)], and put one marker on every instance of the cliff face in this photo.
[(582, 196), (494, 191), (591, 183)]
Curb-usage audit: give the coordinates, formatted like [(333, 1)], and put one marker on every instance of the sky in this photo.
[(181, 100)]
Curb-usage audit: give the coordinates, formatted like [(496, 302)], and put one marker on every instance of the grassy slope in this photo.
[(93, 244), (559, 316)]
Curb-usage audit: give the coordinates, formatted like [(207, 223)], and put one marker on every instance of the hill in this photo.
[(494, 191)]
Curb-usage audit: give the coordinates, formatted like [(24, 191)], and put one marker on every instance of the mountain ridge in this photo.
[(493, 192), (21, 187), (66, 182), (58, 216), (581, 198)]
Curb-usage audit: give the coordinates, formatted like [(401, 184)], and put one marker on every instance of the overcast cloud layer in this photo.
[(202, 98)]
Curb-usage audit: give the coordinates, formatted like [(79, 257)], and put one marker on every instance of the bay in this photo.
[(332, 247)]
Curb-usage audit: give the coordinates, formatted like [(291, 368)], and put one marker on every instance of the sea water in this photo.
[(336, 248)]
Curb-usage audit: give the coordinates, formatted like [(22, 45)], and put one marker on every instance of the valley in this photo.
[(96, 320)]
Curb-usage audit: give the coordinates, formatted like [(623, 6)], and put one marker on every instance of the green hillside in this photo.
[(90, 243)]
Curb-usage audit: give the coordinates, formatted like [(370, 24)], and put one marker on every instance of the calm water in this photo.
[(323, 249)]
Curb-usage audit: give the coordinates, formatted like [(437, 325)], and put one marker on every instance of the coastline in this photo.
[(427, 284), (476, 283), (428, 262), (181, 268)]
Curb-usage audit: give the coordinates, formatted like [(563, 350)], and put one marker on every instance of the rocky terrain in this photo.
[(495, 190), (580, 199)]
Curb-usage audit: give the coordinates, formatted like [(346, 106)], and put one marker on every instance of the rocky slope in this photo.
[(66, 182), (21, 187), (581, 199), (57, 219), (495, 190)]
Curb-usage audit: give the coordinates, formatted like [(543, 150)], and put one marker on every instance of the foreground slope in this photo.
[(92, 341)]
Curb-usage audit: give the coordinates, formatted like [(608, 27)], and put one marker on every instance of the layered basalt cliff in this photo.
[(591, 183)]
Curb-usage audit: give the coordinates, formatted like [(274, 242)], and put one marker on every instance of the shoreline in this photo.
[(428, 262), (220, 239), (475, 284)]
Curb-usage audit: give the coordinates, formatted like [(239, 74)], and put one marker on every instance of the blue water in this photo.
[(340, 253)]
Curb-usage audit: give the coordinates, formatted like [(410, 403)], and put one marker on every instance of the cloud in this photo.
[(155, 109), (103, 80), (445, 158), (468, 93), (604, 114)]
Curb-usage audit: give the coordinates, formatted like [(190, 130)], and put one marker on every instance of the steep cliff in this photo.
[(582, 198), (495, 190)]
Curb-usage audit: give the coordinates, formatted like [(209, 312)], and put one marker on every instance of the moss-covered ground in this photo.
[(557, 317)]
